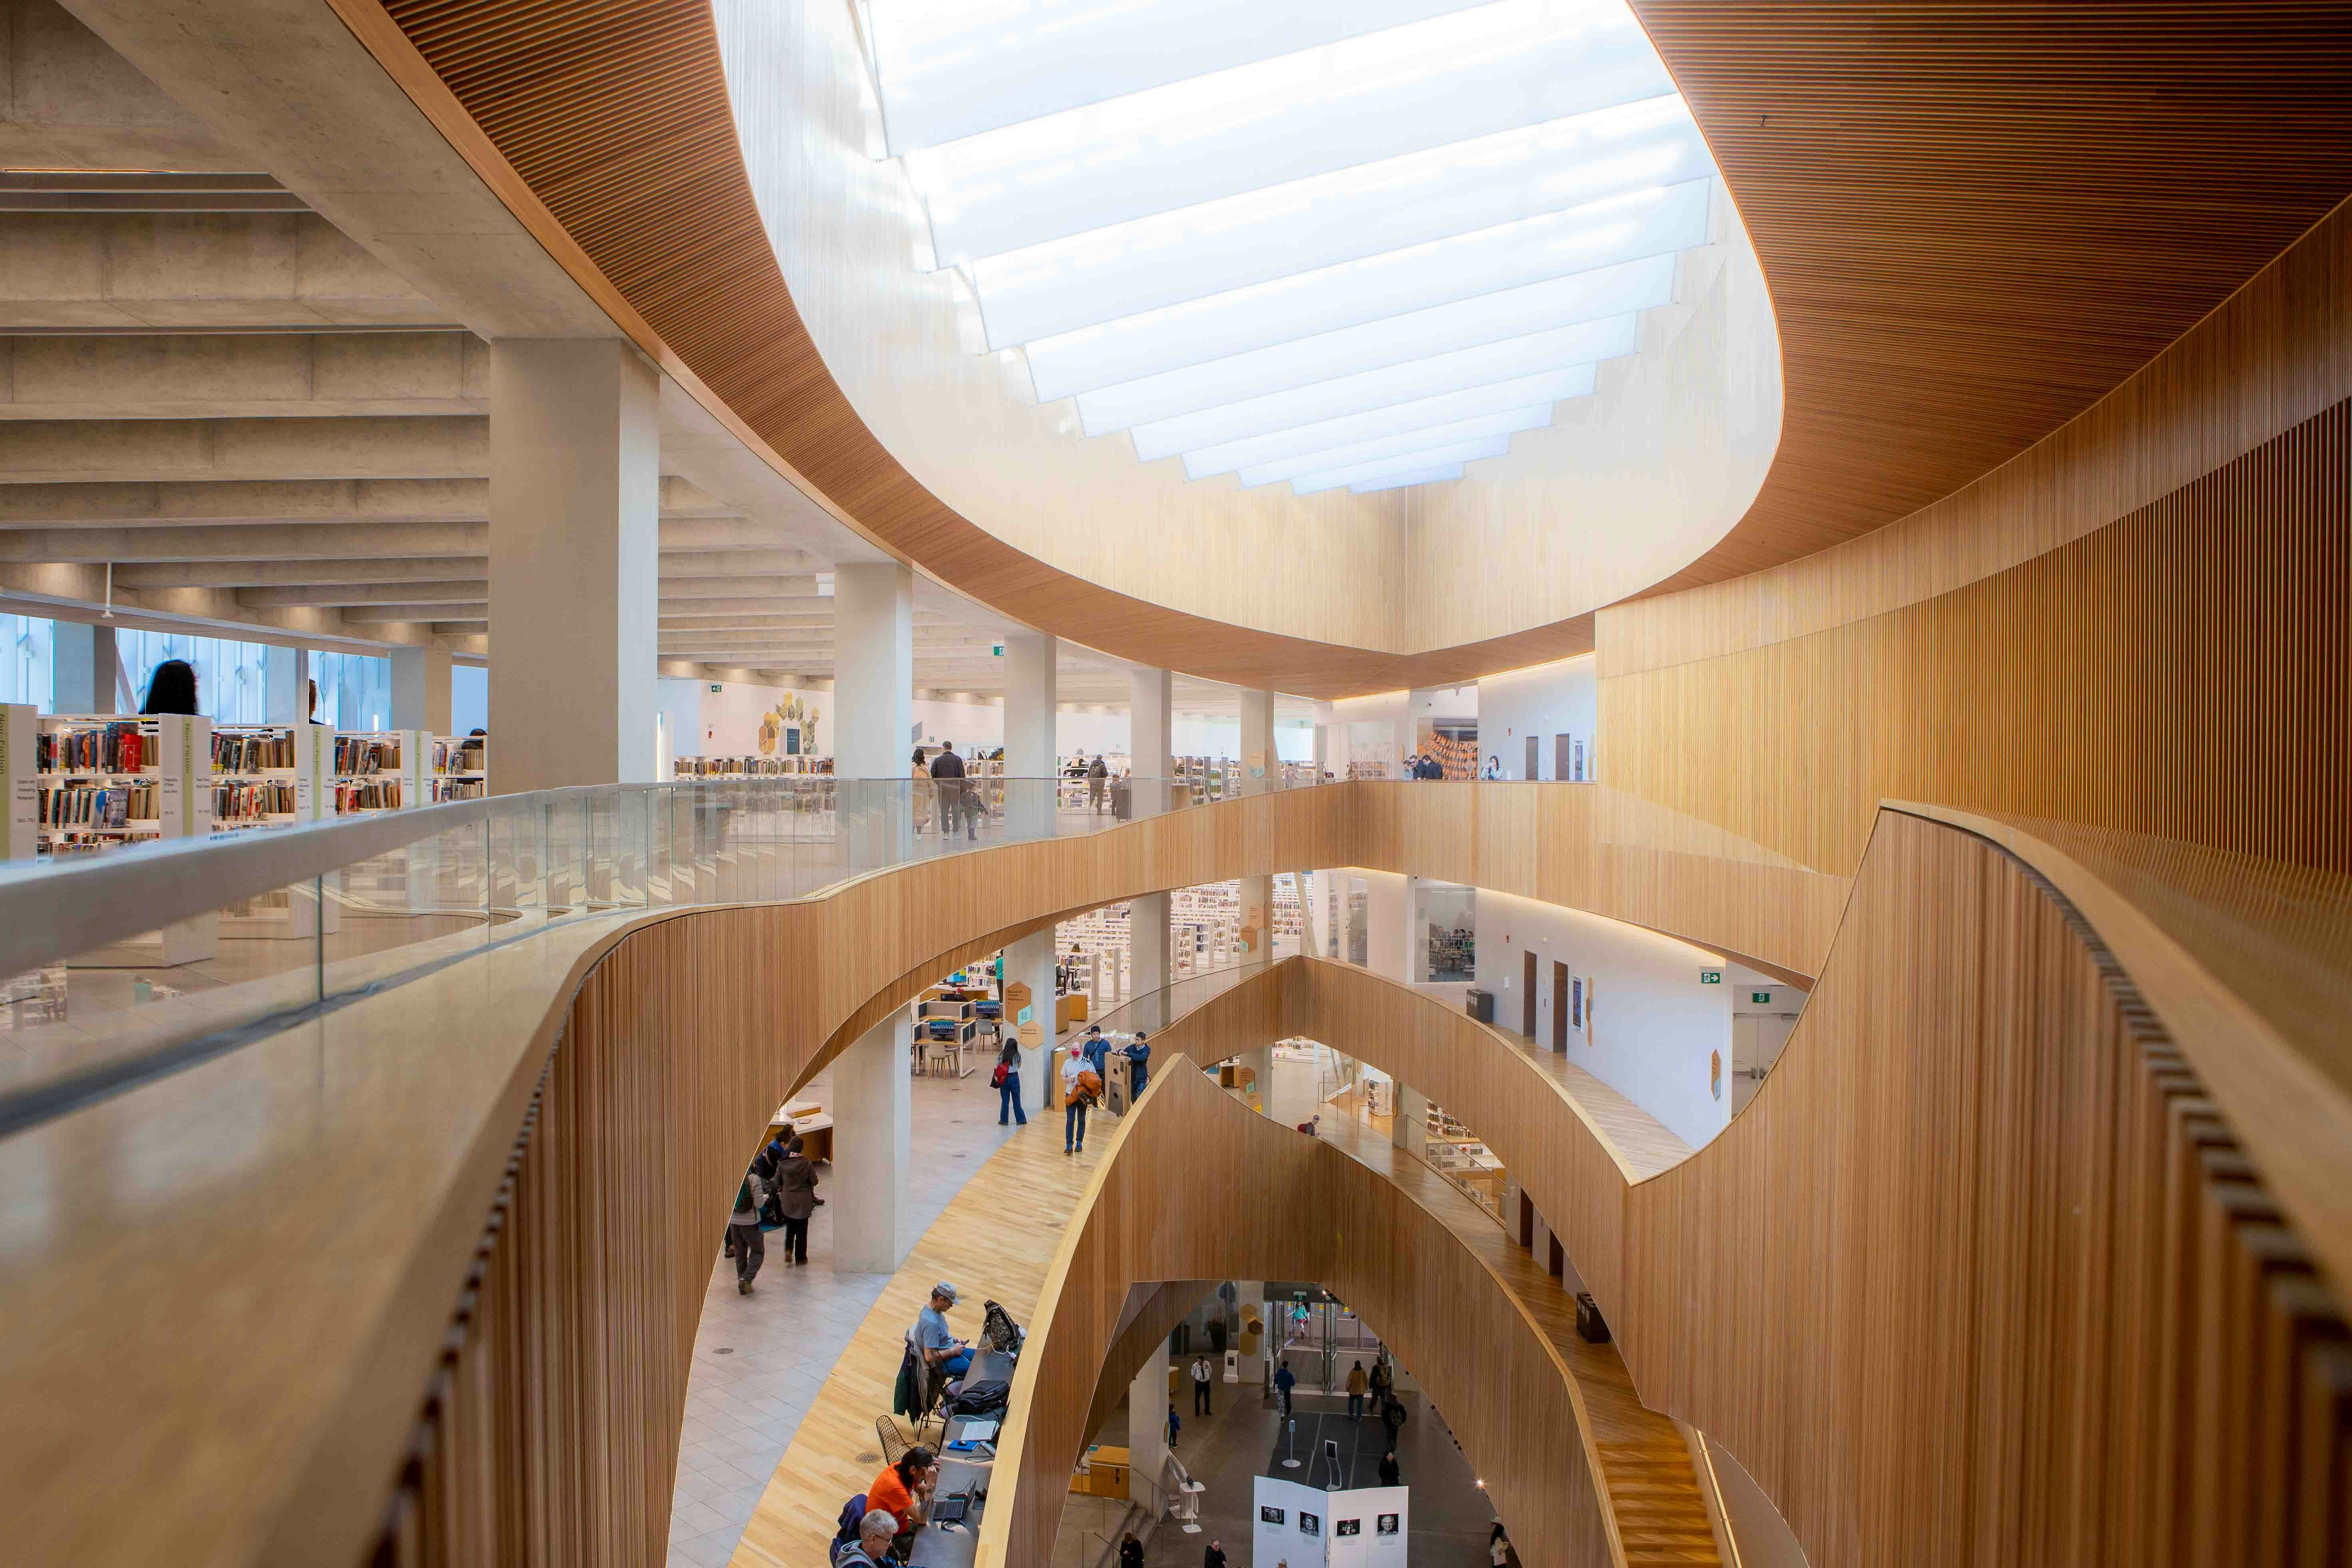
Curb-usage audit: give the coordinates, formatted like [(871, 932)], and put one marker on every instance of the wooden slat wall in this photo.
[(1477, 1353)]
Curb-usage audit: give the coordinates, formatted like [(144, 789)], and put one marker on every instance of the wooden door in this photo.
[(1535, 758), (1527, 1220), (1558, 1264), (1563, 758), (1527, 1024), (1558, 1006)]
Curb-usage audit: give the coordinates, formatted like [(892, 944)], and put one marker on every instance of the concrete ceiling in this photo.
[(244, 380)]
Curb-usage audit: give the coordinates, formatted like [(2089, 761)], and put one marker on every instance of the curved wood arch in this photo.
[(1903, 218)]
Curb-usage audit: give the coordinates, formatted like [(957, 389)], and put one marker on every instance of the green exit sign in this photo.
[(1760, 995), (1710, 977), (996, 650)]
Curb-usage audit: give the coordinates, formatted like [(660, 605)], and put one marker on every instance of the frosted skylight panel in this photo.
[(1587, 299), (1420, 414), (1373, 473), (1299, 240), (950, 68), (1428, 437), (1416, 477), (1370, 210), (1470, 74), (1448, 270), (1572, 350)]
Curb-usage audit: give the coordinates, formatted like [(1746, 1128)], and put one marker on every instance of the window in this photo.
[(27, 662), (230, 676)]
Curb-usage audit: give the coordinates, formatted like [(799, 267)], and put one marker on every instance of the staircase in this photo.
[(1653, 1492)]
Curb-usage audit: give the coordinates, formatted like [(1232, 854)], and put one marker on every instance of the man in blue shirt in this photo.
[(1138, 1059), (1283, 1384), (1097, 1050), (946, 1356)]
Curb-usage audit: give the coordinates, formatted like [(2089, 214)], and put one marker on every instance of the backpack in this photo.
[(996, 1078), (980, 1396)]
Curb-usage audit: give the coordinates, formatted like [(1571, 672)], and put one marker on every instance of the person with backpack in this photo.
[(796, 1199), (1285, 1380), (1076, 1096), (1097, 784), (743, 1232), (948, 778), (1007, 1080)]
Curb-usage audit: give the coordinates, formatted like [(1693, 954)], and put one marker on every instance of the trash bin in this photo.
[(1480, 1004)]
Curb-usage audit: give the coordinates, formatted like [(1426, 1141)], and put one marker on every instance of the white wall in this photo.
[(725, 723), (1544, 701), (1658, 1030), (972, 726), (1294, 739)]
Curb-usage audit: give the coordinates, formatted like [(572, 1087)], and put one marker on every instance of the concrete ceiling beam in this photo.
[(255, 375), (267, 543), (446, 592), (423, 613), (145, 450), (240, 502), (77, 104), (290, 573), (201, 272)]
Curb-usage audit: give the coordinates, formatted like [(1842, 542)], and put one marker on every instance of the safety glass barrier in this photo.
[(120, 949)]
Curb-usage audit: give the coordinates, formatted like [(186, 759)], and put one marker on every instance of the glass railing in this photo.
[(118, 965)]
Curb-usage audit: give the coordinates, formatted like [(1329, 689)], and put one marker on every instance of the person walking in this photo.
[(1284, 1381), (1073, 1102), (1391, 1476), (1357, 1384), (1200, 1385), (948, 778), (1214, 1557), (1392, 1417), (1007, 1080), (796, 1197), (1097, 784), (1130, 1551), (1383, 1381), (1174, 1426), (1139, 1066), (743, 1232)]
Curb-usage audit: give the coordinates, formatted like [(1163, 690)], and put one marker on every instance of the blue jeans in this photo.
[(1074, 1125), (1355, 1407), (1008, 1100), (956, 1365)]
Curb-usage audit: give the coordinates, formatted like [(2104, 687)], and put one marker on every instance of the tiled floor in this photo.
[(759, 1359)]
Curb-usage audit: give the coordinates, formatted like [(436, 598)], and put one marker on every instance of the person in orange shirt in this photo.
[(905, 1489)]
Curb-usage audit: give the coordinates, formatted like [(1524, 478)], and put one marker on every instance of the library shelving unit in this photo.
[(274, 775), (750, 767), (106, 780), (1462, 1158), (382, 770), (1452, 954), (37, 996), (461, 768), (945, 1027)]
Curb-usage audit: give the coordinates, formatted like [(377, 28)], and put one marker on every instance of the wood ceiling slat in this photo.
[(1975, 219)]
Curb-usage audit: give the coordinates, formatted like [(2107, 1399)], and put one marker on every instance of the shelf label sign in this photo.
[(1710, 977)]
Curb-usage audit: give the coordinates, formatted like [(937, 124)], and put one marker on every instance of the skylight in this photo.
[(1291, 241)]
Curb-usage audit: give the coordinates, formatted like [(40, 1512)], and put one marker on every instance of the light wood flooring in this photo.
[(995, 1241)]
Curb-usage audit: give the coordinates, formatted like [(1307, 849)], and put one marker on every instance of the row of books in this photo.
[(84, 805), (356, 755), (251, 752), (367, 795), (460, 755), (116, 747), (458, 789), (268, 797)]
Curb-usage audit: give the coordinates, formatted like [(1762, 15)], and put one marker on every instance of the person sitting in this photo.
[(946, 1356), (902, 1492), (1494, 767), (876, 1528)]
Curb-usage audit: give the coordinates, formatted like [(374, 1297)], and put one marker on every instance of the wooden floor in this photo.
[(994, 1242), (1652, 1486)]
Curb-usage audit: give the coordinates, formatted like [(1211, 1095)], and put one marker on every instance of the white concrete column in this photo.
[(1146, 1431), (1030, 961), (1416, 934), (1260, 1062), (874, 1133), (1150, 742), (1146, 944), (873, 707), (420, 688), (1261, 768), (575, 491), (1408, 1130), (82, 668), (1031, 711)]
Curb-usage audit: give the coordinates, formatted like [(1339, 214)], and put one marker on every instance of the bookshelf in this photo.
[(382, 770), (461, 768), (104, 780), (750, 767)]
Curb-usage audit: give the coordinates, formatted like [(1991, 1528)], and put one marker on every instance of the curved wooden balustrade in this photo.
[(302, 1213), (1477, 1353)]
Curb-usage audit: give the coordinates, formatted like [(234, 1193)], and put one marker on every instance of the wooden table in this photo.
[(937, 1547), (812, 1122)]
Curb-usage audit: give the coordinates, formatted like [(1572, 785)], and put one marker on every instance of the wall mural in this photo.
[(791, 727)]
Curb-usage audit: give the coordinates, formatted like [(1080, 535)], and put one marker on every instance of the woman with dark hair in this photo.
[(171, 689), (904, 1490)]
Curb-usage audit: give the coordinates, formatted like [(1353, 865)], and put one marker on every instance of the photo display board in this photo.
[(1306, 1527)]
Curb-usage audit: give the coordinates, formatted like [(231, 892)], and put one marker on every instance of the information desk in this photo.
[(936, 1546), (811, 1123)]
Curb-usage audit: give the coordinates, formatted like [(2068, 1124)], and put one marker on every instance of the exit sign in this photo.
[(1710, 977), (1760, 995), (996, 650)]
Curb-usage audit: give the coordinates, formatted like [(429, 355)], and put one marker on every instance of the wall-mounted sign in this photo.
[(1710, 977), (714, 688), (996, 650), (1760, 995)]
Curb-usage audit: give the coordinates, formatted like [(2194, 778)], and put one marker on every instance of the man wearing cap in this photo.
[(946, 1356)]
